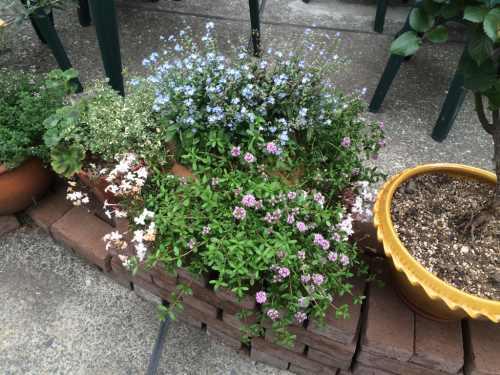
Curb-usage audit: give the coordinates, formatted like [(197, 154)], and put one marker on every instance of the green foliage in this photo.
[(67, 160), (25, 102), (407, 44)]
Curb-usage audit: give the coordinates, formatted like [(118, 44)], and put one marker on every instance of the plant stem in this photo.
[(478, 99)]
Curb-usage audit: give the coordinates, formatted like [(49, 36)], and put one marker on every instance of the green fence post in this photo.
[(83, 13), (255, 22), (106, 26)]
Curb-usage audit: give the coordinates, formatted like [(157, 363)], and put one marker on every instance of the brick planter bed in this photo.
[(383, 336)]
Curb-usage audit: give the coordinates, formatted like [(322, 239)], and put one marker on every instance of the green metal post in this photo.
[(255, 22), (49, 34), (83, 13), (380, 16), (106, 26)]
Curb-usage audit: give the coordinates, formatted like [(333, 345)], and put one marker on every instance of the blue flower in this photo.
[(270, 101), (270, 50), (161, 38), (263, 64), (171, 37), (302, 64), (272, 129), (182, 32), (178, 48), (145, 62), (242, 55), (290, 54), (279, 54), (134, 82), (338, 33), (363, 92), (156, 108), (303, 112), (235, 101), (282, 95), (335, 57), (209, 25), (194, 130)]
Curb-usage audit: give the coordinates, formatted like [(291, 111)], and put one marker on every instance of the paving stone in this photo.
[(151, 287), (388, 323), (115, 222), (482, 343), (147, 295), (83, 232), (249, 302), (119, 279), (342, 330), (438, 345), (183, 316), (49, 193), (279, 352), (297, 347), (321, 343), (48, 211), (94, 203), (8, 223), (395, 366), (365, 235), (226, 339), (230, 319), (329, 360), (158, 273), (198, 304), (258, 356)]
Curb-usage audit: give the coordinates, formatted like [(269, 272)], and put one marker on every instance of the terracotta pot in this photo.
[(423, 291), (20, 186)]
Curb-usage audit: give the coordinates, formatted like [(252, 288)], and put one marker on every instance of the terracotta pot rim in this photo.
[(418, 275), (4, 170)]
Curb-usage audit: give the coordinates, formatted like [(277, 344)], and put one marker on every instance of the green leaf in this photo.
[(421, 21), (477, 77), (480, 46), (185, 202), (493, 96), (452, 8), (67, 160), (169, 136), (134, 272), (69, 74), (407, 44), (171, 314), (51, 137), (438, 35), (51, 83), (475, 12), (51, 121), (432, 7), (71, 117), (491, 24)]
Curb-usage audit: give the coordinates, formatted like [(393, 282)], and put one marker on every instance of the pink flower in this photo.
[(271, 147), (332, 256), (292, 195), (249, 200), (282, 197), (319, 198), (191, 244), (273, 314), (345, 260), (280, 254), (346, 142), (373, 156), (258, 204), (206, 230), (336, 237), (300, 316), (355, 171), (236, 151), (215, 181), (318, 279), (345, 175), (284, 272), (237, 191), (381, 125), (301, 226), (305, 279), (264, 176), (383, 145), (290, 219), (302, 303), (261, 297), (239, 213), (302, 255), (249, 157)]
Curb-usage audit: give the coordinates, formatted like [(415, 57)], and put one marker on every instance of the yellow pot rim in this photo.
[(417, 274)]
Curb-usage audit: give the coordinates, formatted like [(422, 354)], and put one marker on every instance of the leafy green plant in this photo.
[(25, 102), (481, 69)]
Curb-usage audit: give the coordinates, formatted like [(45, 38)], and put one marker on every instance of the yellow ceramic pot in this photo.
[(421, 288)]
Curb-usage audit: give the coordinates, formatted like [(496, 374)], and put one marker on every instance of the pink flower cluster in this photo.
[(261, 297), (319, 198), (280, 254), (355, 171), (332, 256), (300, 316), (215, 181), (302, 303), (191, 244), (239, 213), (345, 260), (249, 158), (318, 279), (206, 230), (346, 142), (301, 226), (305, 278), (271, 147), (292, 195), (249, 200), (237, 191), (290, 219), (284, 272), (319, 240), (236, 151), (302, 255), (336, 237), (273, 314)]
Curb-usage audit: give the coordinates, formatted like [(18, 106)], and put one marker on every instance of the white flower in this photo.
[(106, 237), (130, 176), (108, 214), (140, 220), (120, 214), (142, 173), (113, 188), (85, 200), (126, 185), (138, 236), (115, 236), (141, 251), (151, 226)]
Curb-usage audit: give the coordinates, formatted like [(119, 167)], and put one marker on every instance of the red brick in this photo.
[(147, 296), (198, 304), (482, 343), (395, 366), (297, 347), (83, 232), (158, 273), (438, 345), (323, 344), (119, 279), (226, 339), (114, 221), (360, 369), (150, 287), (299, 370), (342, 330), (278, 351), (249, 302), (94, 203), (230, 319), (329, 360), (259, 356), (8, 223), (50, 210), (388, 326), (365, 235), (183, 316), (197, 280)]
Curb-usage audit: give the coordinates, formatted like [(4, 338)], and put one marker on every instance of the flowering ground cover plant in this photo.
[(277, 157), (25, 102)]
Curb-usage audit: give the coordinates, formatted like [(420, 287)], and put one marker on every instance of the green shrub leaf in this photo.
[(67, 160), (407, 44), (477, 77), (491, 24), (475, 12), (480, 46), (438, 35), (420, 20)]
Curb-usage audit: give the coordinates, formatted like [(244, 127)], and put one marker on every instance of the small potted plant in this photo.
[(451, 273), (90, 136), (246, 128), (25, 102)]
